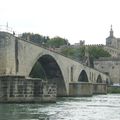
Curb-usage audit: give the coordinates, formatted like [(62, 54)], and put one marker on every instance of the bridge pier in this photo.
[(19, 57), (86, 89), (19, 89), (99, 88), (80, 89)]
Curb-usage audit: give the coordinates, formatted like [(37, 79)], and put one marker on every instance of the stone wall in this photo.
[(20, 56), (99, 88), (19, 89), (7, 54), (87, 89), (113, 51), (80, 89), (3, 52), (110, 67)]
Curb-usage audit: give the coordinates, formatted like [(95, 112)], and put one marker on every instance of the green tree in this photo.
[(56, 42), (93, 52), (36, 38), (97, 52), (76, 53)]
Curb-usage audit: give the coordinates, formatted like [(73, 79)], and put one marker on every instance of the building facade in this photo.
[(112, 41), (111, 66)]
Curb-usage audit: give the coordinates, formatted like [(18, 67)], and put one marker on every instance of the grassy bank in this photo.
[(113, 89)]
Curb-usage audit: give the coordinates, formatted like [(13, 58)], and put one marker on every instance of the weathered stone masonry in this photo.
[(20, 89), (17, 59)]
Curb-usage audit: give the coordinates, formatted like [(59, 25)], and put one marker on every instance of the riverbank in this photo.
[(113, 89)]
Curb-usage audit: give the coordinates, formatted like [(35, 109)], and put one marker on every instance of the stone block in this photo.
[(99, 88), (17, 89), (80, 89)]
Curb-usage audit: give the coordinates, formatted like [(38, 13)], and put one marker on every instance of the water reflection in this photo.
[(80, 108)]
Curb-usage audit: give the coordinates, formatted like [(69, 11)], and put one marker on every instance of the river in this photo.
[(98, 107)]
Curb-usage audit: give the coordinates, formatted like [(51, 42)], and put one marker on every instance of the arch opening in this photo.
[(99, 79), (83, 77), (47, 69)]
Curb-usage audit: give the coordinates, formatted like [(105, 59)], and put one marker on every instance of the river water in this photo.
[(99, 107)]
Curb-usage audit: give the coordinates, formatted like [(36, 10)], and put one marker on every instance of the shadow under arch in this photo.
[(83, 77), (99, 79), (47, 68)]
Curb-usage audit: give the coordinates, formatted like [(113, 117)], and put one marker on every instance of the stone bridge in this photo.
[(20, 57)]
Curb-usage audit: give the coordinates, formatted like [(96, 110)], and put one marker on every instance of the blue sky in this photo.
[(74, 20)]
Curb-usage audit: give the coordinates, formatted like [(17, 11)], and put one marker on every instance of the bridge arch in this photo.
[(46, 67), (99, 79), (83, 76)]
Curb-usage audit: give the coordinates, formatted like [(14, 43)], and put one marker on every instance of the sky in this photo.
[(75, 20)]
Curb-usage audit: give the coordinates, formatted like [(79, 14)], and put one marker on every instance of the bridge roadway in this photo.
[(19, 57)]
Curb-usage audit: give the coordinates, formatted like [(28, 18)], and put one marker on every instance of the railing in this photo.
[(10, 30), (6, 29)]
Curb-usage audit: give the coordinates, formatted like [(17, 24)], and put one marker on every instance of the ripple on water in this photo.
[(97, 107)]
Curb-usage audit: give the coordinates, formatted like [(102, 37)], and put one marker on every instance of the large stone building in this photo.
[(112, 41), (111, 66)]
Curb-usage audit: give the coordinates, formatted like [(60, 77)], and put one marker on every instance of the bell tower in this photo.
[(112, 41), (111, 32)]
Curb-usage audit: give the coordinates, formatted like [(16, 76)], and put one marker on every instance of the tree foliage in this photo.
[(94, 52), (56, 42), (45, 40), (97, 52), (86, 54), (76, 53), (36, 38)]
